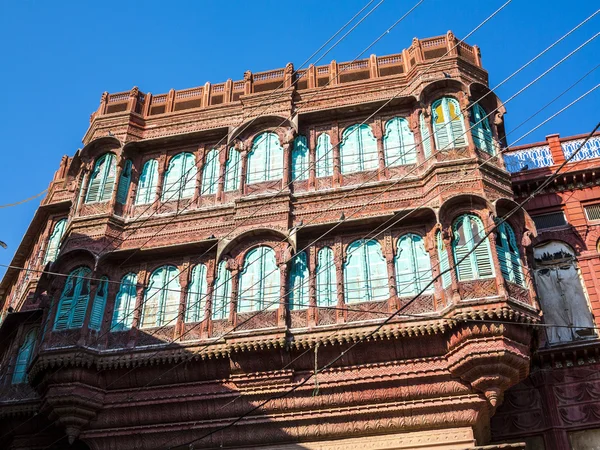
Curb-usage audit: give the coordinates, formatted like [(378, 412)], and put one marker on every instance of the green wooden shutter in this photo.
[(275, 158), (300, 159), (515, 257), (350, 150), (257, 160), (170, 296), (405, 268), (99, 304), (368, 145), (444, 261), (222, 292), (324, 156), (148, 183), (232, 170), (81, 299), (299, 282), (196, 296), (508, 254), (54, 241), (125, 303), (376, 271), (63, 310), (457, 122), (481, 130), (102, 181), (326, 278), (399, 143), (210, 173), (24, 357), (271, 280), (425, 137), (441, 127), (124, 182), (74, 300), (355, 283), (468, 231), (189, 173)]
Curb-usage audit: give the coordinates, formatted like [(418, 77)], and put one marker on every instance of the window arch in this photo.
[(232, 170), (24, 357), (448, 124), (413, 266), (73, 300), (399, 143), (222, 292), (196, 295), (161, 301), (54, 241), (124, 182), (265, 160), (99, 304), (481, 130), (508, 254), (259, 281), (125, 303), (324, 156), (299, 282), (210, 173), (326, 278), (146, 191), (444, 260), (102, 181), (180, 178), (468, 232), (300, 159), (365, 272), (358, 150)]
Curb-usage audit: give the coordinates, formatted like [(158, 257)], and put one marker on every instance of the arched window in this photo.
[(444, 260), (326, 279), (54, 242), (125, 303), (99, 304), (265, 160), (124, 182), (413, 266), (365, 272), (196, 295), (232, 170), (425, 136), (300, 159), (221, 292), (161, 301), (146, 191), (73, 300), (180, 178), (102, 181), (358, 150), (324, 156), (481, 130), (399, 143), (210, 173), (299, 282), (259, 281), (561, 292), (24, 357), (448, 124), (508, 254), (468, 232)]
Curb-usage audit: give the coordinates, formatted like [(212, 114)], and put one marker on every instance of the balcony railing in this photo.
[(590, 150), (527, 159)]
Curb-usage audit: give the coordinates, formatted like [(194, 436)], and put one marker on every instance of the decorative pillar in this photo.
[(210, 280), (84, 188), (338, 256), (464, 101), (447, 238), (162, 168), (312, 159), (382, 172), (106, 324), (388, 250), (133, 98), (54, 293), (337, 164), (113, 197), (94, 284), (234, 294), (500, 281), (415, 128), (451, 44), (139, 303), (243, 173), (200, 161), (555, 148), (184, 272), (311, 261), (223, 156), (283, 285), (288, 145)]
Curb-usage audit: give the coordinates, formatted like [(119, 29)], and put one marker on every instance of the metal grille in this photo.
[(555, 219), (593, 212)]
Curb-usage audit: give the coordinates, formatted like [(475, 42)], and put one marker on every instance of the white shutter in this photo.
[(444, 261), (425, 137), (368, 144), (376, 268), (350, 150), (189, 172), (324, 156)]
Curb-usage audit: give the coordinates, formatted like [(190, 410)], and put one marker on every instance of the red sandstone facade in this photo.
[(430, 379)]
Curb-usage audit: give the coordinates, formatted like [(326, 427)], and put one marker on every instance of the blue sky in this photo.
[(58, 57)]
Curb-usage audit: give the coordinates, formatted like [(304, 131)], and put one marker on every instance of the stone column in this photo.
[(139, 304), (388, 249), (184, 276), (337, 164), (210, 280), (312, 159), (312, 286), (222, 166), (234, 296), (162, 168), (283, 285), (338, 256), (382, 172)]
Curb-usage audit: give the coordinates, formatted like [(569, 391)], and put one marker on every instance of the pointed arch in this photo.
[(180, 177), (358, 150), (399, 143), (54, 241), (259, 281), (324, 156), (148, 183), (222, 292), (196, 295), (210, 173), (326, 278), (233, 168), (24, 357), (299, 282), (448, 124), (125, 303), (265, 160), (468, 231), (102, 180), (300, 159), (161, 300), (365, 272), (413, 266), (74, 299)]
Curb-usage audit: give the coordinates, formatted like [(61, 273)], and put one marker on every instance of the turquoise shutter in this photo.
[(457, 122), (425, 137), (210, 173), (259, 281), (196, 296), (483, 253), (368, 145), (468, 231), (102, 181), (481, 130), (61, 321), (350, 150), (81, 299), (99, 304), (515, 257), (422, 262), (299, 282), (275, 158), (148, 183), (399, 143), (96, 180), (222, 292), (355, 287), (173, 178), (54, 242), (508, 254), (376, 271), (444, 261), (124, 182), (257, 160), (441, 127), (326, 279), (249, 290), (232, 170), (270, 280), (300, 159), (24, 357), (152, 298), (170, 296), (324, 156), (73, 300), (405, 268), (124, 303), (188, 179)]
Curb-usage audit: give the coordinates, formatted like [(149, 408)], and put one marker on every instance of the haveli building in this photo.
[(210, 249)]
